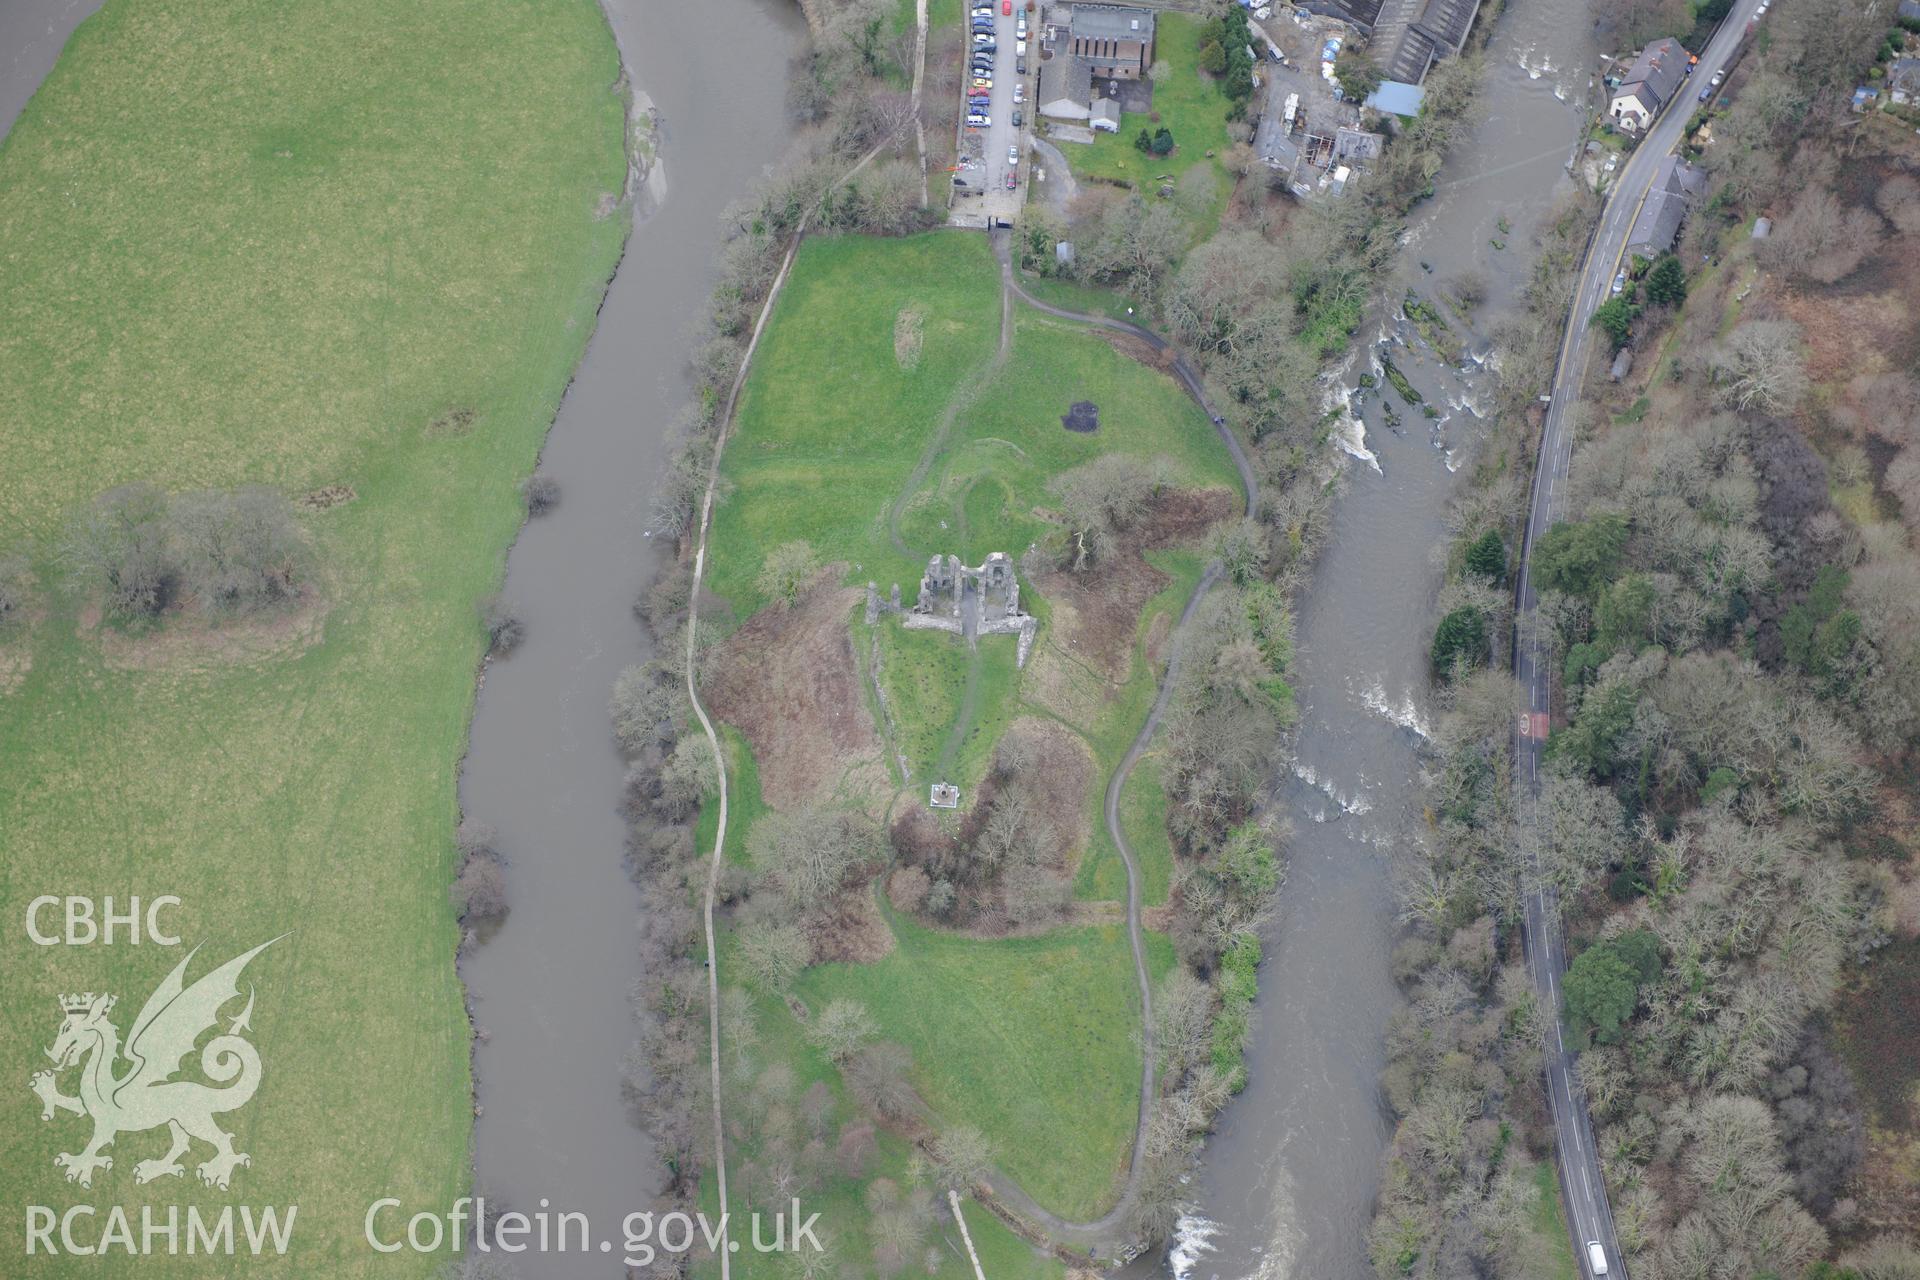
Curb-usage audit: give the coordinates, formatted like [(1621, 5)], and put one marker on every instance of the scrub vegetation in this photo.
[(1727, 804), (303, 286)]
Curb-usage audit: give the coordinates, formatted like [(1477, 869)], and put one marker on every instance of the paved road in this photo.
[(1589, 1216)]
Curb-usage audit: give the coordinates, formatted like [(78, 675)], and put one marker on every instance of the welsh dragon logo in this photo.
[(145, 1094)]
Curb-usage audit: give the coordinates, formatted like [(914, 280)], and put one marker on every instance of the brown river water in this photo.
[(550, 987)]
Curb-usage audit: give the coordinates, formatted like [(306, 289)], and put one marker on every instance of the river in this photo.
[(32, 33), (1287, 1186), (550, 988)]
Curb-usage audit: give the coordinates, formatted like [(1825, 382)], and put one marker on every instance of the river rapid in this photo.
[(550, 987), (1287, 1186)]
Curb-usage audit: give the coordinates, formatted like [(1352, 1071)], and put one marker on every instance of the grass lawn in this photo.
[(1189, 104), (844, 1216), (263, 243), (1546, 1252), (1031, 1040), (834, 418)]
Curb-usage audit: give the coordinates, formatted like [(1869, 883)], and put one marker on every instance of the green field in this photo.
[(269, 243), (1189, 105), (1030, 1040), (878, 405)]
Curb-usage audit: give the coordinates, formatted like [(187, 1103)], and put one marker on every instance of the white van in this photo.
[(1596, 1257)]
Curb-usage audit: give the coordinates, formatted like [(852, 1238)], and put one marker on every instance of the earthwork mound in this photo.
[(1084, 417)]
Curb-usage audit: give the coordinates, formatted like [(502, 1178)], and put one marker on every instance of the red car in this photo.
[(1006, 8)]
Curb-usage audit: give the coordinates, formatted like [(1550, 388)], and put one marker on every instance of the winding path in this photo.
[(1108, 1234)]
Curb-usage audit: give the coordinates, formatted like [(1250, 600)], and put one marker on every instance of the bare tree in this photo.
[(1760, 368), (962, 1158), (878, 1077), (774, 954), (237, 551), (842, 1028), (1100, 498), (120, 544), (786, 570)]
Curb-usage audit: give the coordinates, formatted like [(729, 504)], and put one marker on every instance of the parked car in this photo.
[(1013, 179), (1020, 46), (1620, 281), (1020, 65), (1006, 8), (979, 120), (984, 41), (1019, 91), (1017, 119), (1013, 154), (1706, 93), (1718, 76), (983, 82)]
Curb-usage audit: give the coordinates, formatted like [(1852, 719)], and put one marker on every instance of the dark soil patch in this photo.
[(1083, 417), (1138, 349), (1103, 603), (787, 680), (1880, 1024), (457, 421), (327, 497)]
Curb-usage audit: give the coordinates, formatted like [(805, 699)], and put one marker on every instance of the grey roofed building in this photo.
[(1650, 83), (1066, 88), (1676, 185), (1903, 80), (1356, 144), (1116, 41), (1440, 28), (1104, 113)]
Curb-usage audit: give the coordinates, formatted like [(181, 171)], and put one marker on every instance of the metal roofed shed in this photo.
[(1396, 97)]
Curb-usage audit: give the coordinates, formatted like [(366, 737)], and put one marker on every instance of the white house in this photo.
[(1656, 75)]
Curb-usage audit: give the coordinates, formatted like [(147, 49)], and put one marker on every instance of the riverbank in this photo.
[(248, 292)]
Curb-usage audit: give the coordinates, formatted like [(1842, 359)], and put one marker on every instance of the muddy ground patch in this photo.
[(1103, 604), (787, 680)]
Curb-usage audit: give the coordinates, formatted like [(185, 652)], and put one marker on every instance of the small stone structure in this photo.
[(944, 795), (968, 601)]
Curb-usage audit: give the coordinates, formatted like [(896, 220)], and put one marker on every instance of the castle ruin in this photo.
[(968, 601)]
